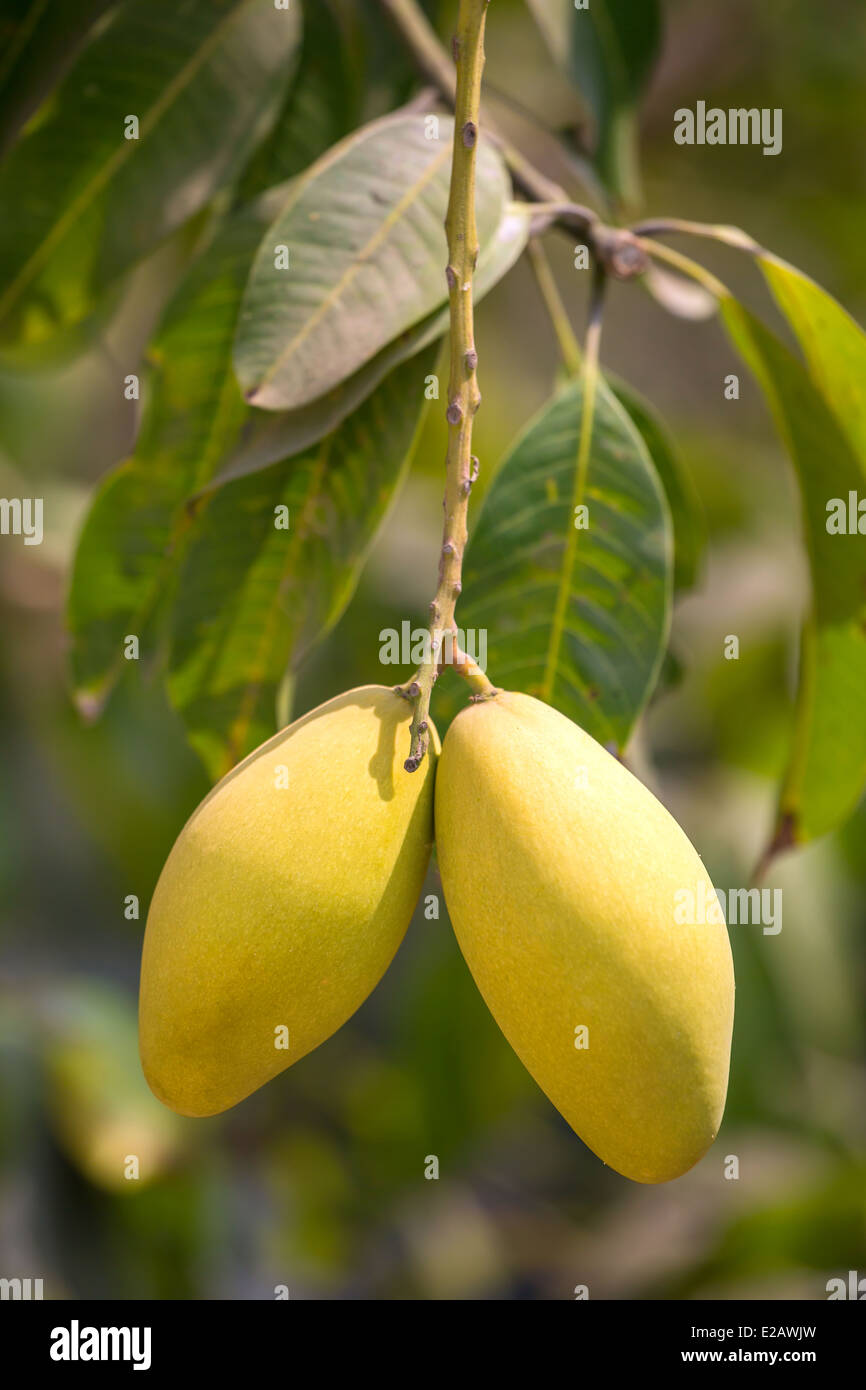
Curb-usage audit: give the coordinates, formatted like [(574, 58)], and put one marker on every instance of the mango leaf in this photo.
[(608, 49), (272, 436), (134, 533), (366, 254), (687, 515), (827, 771), (596, 656), (833, 344), (685, 299), (322, 106), (38, 42), (203, 79), (260, 585)]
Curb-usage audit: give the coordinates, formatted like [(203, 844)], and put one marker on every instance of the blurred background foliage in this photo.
[(317, 1182)]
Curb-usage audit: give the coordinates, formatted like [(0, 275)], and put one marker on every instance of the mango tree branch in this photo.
[(463, 395), (614, 247)]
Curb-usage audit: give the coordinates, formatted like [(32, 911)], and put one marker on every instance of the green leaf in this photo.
[(253, 598), (138, 524), (38, 42), (270, 437), (827, 771), (322, 107), (599, 666), (134, 534), (687, 515), (833, 344), (608, 49), (367, 254), (204, 80)]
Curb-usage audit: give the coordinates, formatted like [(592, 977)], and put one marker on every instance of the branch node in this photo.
[(620, 252)]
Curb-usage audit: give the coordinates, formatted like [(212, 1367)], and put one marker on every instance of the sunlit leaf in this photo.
[(365, 247), (271, 436), (833, 344), (827, 771), (596, 655)]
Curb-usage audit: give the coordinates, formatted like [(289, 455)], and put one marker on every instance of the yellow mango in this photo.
[(283, 901), (561, 872)]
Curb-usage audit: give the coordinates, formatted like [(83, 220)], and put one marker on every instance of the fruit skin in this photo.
[(562, 897), (283, 906)]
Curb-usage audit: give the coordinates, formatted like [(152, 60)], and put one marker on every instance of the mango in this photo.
[(283, 901), (561, 873)]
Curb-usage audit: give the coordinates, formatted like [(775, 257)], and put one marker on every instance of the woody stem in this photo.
[(464, 397)]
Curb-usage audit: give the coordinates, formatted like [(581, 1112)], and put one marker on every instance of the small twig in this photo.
[(728, 236), (565, 336), (464, 397), (467, 667), (687, 266)]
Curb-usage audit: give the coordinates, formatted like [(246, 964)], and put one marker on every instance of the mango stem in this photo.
[(464, 397)]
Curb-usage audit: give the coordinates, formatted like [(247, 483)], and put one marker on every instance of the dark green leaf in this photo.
[(253, 598), (366, 258), (38, 43), (577, 617), (685, 505), (134, 533), (204, 80), (323, 104)]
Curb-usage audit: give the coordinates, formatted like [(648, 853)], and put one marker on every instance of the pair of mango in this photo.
[(290, 888)]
